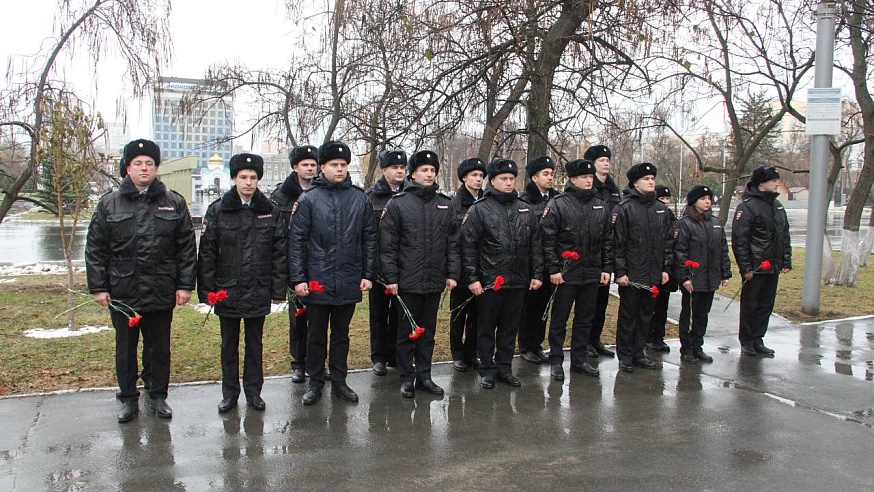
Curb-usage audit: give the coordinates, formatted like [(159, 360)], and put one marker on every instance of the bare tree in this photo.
[(136, 31)]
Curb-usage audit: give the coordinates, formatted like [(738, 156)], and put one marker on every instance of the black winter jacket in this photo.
[(461, 202), (286, 194), (760, 231), (608, 191), (379, 195), (701, 238), (416, 250), (243, 251), (140, 247), (332, 240), (643, 238), (578, 221), (501, 236)]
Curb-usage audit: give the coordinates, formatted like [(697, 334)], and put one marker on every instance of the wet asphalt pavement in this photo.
[(803, 420)]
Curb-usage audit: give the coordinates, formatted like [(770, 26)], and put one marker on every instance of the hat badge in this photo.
[(248, 159), (141, 145)]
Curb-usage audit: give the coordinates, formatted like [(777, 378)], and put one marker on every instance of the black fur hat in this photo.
[(662, 190), (539, 164), (596, 151), (334, 150), (499, 165), (303, 152), (392, 158), (246, 161), (762, 174), (468, 165), (136, 148), (422, 158), (697, 192), (579, 167), (638, 171)]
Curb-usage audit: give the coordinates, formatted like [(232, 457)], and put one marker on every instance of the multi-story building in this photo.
[(182, 130)]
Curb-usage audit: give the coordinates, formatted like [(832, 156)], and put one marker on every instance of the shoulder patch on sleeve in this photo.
[(676, 233), (465, 218), (545, 212), (739, 215), (614, 217), (382, 214), (294, 208)]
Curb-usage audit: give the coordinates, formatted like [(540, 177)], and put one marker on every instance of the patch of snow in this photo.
[(45, 333), (7, 280), (203, 308), (36, 269)]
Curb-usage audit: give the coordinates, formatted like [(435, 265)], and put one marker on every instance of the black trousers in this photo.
[(635, 313), (600, 313), (692, 337), (499, 314), (532, 331), (462, 325), (297, 336), (317, 342), (756, 305), (582, 299), (253, 371), (659, 317), (155, 327), (423, 307), (383, 326)]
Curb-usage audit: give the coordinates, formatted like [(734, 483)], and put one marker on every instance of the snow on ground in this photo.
[(6, 280), (274, 308), (35, 269), (64, 332)]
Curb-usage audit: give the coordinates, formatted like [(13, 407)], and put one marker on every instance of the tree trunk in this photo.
[(846, 275), (828, 259), (725, 204), (868, 243)]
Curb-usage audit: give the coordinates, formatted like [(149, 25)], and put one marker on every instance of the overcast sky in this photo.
[(255, 33)]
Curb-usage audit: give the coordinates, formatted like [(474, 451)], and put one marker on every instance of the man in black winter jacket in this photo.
[(538, 191), (417, 262), (462, 321), (760, 242), (607, 190), (643, 239), (332, 248), (578, 245), (141, 260), (243, 252), (304, 164), (383, 319), (502, 258)]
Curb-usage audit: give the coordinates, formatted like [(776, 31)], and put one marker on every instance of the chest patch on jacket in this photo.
[(598, 207), (166, 209), (524, 210), (443, 207), (265, 216), (660, 211)]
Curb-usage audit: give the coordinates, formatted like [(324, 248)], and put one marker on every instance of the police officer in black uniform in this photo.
[(242, 251), (418, 261), (500, 238), (644, 255), (576, 222), (384, 319), (608, 191), (655, 340), (759, 233), (538, 191), (304, 165), (462, 322)]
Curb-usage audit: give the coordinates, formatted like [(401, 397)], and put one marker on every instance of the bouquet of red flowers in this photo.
[(294, 300), (495, 286), (567, 256), (654, 290)]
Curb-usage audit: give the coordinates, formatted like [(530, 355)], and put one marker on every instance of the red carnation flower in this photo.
[(316, 287), (655, 291), (692, 264), (134, 320), (300, 312), (388, 292), (215, 297), (766, 265), (415, 334), (499, 281)]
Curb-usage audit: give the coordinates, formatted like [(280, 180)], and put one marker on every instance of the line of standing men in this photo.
[(140, 258)]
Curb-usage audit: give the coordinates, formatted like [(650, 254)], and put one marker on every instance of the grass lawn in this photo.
[(30, 365)]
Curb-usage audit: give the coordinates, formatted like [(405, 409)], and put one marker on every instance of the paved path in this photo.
[(803, 420)]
